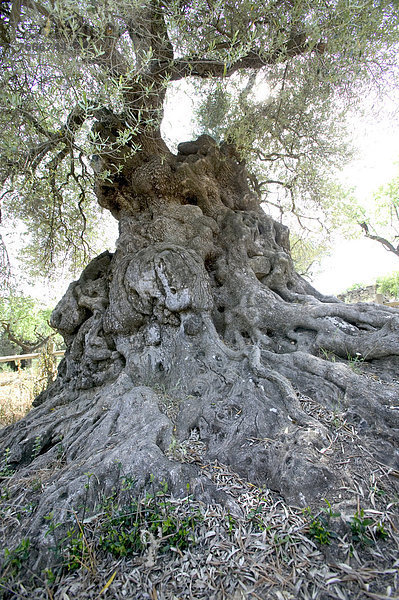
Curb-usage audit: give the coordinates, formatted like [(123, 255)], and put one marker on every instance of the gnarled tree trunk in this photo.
[(197, 342)]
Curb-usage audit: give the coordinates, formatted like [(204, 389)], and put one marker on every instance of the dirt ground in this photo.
[(16, 394), (259, 548)]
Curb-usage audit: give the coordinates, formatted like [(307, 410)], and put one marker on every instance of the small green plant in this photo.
[(355, 362), (230, 522), (126, 529), (128, 483), (376, 491), (5, 469), (281, 540), (77, 551), (14, 559), (363, 528), (327, 355), (318, 528), (4, 494), (329, 511), (255, 517), (380, 531), (75, 546), (52, 530), (50, 576), (359, 525), (36, 484), (319, 525), (37, 446)]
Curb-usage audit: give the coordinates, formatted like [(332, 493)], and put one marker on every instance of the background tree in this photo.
[(197, 327), (381, 222), (25, 324)]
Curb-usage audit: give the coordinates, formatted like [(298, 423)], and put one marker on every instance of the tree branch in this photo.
[(5, 267), (384, 242), (254, 59), (148, 31), (273, 156), (65, 135)]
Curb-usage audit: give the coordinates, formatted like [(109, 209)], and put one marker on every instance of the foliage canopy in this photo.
[(68, 66)]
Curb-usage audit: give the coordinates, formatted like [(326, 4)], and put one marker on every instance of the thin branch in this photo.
[(384, 242), (5, 264), (277, 182), (273, 156), (281, 93), (76, 118)]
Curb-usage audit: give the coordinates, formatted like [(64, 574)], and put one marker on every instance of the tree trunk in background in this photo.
[(197, 342)]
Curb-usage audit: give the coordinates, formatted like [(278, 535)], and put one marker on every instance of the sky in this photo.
[(351, 262)]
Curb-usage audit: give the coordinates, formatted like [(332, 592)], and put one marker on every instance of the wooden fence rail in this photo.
[(20, 357)]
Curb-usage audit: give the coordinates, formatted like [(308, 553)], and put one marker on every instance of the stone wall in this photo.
[(368, 293)]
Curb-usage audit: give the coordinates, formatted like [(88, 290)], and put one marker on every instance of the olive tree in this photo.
[(198, 326)]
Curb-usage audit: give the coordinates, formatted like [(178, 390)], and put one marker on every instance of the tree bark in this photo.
[(198, 327)]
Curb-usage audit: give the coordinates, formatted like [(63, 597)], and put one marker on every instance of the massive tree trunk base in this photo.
[(196, 343)]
